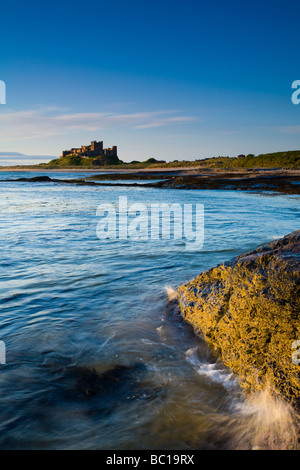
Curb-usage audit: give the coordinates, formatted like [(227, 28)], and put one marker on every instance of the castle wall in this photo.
[(93, 150)]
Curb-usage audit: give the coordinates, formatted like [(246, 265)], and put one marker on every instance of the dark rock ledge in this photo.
[(248, 310), (273, 182)]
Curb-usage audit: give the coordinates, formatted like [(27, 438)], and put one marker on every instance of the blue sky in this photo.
[(163, 79)]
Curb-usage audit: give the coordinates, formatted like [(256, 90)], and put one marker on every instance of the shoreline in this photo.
[(259, 180), (193, 171), (99, 170), (188, 169)]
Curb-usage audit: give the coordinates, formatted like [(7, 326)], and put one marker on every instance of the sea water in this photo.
[(95, 358)]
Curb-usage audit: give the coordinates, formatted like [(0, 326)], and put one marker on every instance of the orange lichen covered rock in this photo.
[(248, 309)]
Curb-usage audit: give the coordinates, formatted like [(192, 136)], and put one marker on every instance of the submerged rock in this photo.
[(248, 309), (35, 179)]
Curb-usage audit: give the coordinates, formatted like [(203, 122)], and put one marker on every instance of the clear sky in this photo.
[(164, 79)]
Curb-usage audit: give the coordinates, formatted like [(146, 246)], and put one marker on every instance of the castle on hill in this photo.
[(94, 150)]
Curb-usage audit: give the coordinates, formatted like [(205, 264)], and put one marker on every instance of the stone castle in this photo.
[(94, 150)]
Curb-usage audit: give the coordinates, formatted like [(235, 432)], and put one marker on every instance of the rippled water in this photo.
[(95, 359)]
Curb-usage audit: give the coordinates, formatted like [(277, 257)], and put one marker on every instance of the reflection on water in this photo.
[(95, 357)]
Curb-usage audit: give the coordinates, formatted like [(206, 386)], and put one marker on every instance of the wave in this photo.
[(171, 293), (256, 421), (267, 422), (213, 371)]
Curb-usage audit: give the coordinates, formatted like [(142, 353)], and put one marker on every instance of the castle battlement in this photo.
[(93, 150)]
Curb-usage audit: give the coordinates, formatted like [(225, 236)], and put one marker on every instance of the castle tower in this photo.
[(97, 147)]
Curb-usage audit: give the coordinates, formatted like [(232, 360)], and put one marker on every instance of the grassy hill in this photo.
[(285, 160), (290, 160), (76, 161)]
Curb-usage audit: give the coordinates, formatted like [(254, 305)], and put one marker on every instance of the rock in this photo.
[(88, 383), (248, 310), (121, 383), (35, 179)]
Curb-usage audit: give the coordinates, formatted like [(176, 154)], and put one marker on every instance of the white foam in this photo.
[(213, 371), (171, 293), (267, 422)]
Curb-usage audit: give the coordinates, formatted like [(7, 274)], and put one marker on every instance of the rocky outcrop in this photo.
[(248, 309), (278, 183)]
